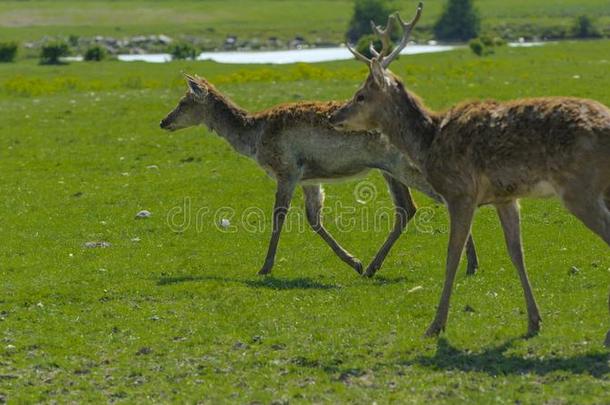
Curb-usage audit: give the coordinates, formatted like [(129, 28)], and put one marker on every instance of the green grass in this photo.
[(181, 316), (214, 19)]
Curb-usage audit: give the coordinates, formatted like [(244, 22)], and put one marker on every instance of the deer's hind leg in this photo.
[(405, 210), (314, 201), (592, 209), (607, 342)]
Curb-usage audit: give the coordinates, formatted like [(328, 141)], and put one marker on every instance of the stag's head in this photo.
[(371, 101), (190, 109)]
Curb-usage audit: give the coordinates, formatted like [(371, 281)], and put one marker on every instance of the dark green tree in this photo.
[(584, 27), (8, 51), (460, 21), (364, 12)]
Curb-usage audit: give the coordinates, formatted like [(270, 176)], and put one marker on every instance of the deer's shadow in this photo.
[(271, 282), (495, 361)]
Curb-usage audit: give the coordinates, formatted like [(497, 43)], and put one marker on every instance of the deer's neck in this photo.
[(230, 122), (410, 125)]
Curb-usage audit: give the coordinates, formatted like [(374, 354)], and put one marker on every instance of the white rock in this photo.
[(143, 214), (100, 244)]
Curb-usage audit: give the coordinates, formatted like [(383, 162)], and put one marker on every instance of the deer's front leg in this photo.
[(460, 215), (511, 224), (283, 195)]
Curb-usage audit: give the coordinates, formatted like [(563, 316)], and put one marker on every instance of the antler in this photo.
[(407, 28), (384, 36), (357, 54)]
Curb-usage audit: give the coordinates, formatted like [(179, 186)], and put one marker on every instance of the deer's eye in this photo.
[(360, 98)]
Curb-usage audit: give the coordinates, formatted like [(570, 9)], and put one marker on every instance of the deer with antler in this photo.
[(295, 144), (489, 152)]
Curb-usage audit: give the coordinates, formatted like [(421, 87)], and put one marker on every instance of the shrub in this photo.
[(183, 50), (8, 51), (95, 53), (73, 40), (499, 41), (363, 45), (486, 40), (477, 46), (52, 51), (364, 12), (459, 21), (485, 45), (584, 27)]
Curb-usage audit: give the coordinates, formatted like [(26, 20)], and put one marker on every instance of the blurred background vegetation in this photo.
[(184, 28)]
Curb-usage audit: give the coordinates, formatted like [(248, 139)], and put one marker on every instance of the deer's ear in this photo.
[(378, 73), (195, 87)]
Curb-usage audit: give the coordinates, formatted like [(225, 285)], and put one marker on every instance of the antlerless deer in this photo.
[(491, 152), (295, 144)]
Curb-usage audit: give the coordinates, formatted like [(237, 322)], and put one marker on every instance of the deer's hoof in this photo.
[(472, 268), (533, 328), (264, 271), (371, 270), (607, 342), (433, 330), (357, 266)]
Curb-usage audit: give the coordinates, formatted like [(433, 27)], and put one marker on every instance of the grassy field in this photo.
[(314, 19), (177, 313)]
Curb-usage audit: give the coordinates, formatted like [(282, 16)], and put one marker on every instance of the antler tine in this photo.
[(373, 50), (407, 28), (384, 34), (358, 55)]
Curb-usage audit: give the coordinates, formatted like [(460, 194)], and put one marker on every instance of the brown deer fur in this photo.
[(295, 144), (490, 152)]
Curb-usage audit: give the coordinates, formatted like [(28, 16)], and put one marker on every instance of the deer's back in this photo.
[(523, 143), (300, 135)]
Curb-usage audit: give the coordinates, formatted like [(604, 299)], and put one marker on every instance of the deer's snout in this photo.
[(337, 120), (165, 123)]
